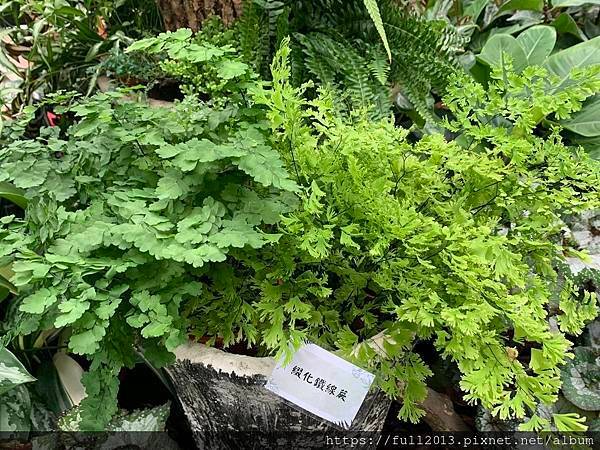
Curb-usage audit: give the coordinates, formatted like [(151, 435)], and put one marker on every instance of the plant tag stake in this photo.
[(322, 383)]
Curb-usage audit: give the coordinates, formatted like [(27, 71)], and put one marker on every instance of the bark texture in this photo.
[(440, 414), (227, 405), (191, 13)]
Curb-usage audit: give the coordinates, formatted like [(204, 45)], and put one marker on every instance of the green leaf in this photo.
[(13, 194), (151, 419), (474, 9), (538, 362), (495, 49), (142, 44), (156, 328), (38, 302), (201, 53), (33, 176), (15, 411), (12, 372), (586, 121), (100, 404), (569, 422), (581, 379), (6, 274), (73, 309), (50, 388), (142, 420), (568, 3), (231, 69), (522, 5), (87, 341), (581, 55), (265, 166), (373, 10), (537, 43), (171, 186), (565, 24)]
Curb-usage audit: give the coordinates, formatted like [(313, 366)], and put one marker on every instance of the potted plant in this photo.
[(265, 218)]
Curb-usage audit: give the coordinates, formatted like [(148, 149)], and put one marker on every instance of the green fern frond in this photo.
[(373, 10), (345, 44), (424, 54), (264, 23), (379, 65), (359, 77)]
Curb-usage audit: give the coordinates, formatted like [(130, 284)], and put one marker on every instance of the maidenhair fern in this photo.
[(435, 243), (125, 217)]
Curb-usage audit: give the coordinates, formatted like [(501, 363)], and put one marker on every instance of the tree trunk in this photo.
[(191, 13), (227, 405)]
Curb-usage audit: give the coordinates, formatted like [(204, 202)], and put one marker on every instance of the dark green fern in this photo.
[(357, 74), (337, 44), (423, 51), (264, 23)]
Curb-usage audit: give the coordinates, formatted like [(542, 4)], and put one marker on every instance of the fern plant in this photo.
[(208, 63), (436, 243), (128, 208), (358, 75), (264, 23), (422, 53), (359, 48)]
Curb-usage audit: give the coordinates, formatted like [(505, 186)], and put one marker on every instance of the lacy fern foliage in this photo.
[(127, 208), (438, 243), (423, 52)]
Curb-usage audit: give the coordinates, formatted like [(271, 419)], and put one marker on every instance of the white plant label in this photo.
[(322, 384)]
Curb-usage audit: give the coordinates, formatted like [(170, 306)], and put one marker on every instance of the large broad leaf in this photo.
[(586, 122), (565, 24), (498, 46), (474, 9), (15, 412), (12, 372), (50, 388), (566, 3), (527, 5), (21, 411), (581, 379), (13, 194), (70, 373), (581, 55), (537, 43)]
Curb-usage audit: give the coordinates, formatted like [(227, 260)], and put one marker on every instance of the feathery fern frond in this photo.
[(423, 51), (359, 78)]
